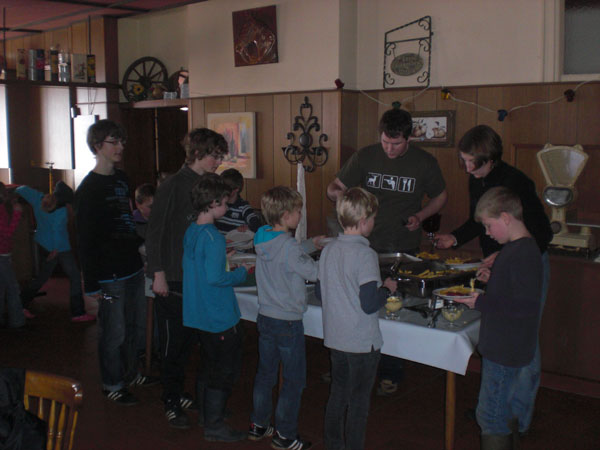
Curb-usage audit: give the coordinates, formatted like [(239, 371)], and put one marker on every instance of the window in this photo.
[(581, 37)]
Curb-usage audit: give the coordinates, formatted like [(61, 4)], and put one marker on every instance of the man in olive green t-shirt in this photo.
[(399, 175)]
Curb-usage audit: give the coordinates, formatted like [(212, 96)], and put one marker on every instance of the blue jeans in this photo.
[(352, 378), (529, 377), (69, 265), (279, 341), (9, 295), (117, 331), (495, 408)]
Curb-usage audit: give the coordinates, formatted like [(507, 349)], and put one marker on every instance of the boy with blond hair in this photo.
[(352, 293), (282, 266), (510, 311)]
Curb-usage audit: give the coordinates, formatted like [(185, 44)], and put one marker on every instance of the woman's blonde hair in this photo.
[(278, 200), (355, 204)]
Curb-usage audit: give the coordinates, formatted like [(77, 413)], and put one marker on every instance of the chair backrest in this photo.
[(56, 400)]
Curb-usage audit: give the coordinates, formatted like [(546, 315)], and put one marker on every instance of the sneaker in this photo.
[(279, 442), (122, 397), (144, 381), (187, 402), (83, 318), (256, 432), (176, 417), (387, 388), (28, 314)]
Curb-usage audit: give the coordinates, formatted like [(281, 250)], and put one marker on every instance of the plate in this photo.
[(239, 239), (241, 258), (454, 297), (465, 266)]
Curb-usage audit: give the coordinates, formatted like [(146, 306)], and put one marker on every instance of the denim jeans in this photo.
[(352, 378), (495, 408), (10, 303), (279, 341), (117, 331), (69, 265), (529, 377)]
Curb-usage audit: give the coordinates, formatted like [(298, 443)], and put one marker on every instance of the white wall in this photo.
[(162, 35), (308, 48), (475, 42)]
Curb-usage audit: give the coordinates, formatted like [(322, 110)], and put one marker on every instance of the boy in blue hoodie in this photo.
[(210, 306), (282, 266)]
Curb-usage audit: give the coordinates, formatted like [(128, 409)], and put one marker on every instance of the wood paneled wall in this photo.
[(39, 115), (524, 132), (275, 115)]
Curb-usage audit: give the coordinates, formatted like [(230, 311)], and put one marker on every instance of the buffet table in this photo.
[(408, 337)]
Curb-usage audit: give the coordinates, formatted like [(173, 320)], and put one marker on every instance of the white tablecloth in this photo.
[(408, 338)]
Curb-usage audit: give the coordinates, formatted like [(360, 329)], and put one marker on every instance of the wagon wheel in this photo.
[(142, 76)]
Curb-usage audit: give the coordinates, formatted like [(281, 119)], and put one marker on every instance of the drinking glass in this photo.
[(452, 312), (393, 305), (431, 225)]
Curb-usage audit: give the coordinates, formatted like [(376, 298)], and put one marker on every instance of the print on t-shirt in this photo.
[(390, 182), (373, 180)]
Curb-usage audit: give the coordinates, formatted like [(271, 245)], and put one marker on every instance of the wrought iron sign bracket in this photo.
[(310, 157), (407, 54)]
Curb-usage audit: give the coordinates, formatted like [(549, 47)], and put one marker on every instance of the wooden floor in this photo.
[(411, 419)]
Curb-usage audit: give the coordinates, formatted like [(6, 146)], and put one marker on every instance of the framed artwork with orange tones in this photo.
[(255, 36), (433, 128), (239, 130)]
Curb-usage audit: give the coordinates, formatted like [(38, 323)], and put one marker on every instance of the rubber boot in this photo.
[(496, 442), (200, 401), (215, 428)]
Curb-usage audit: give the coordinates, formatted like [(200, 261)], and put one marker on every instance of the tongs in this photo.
[(433, 319)]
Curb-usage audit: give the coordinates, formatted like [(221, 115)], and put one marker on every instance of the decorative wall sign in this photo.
[(238, 129), (407, 53), (433, 128), (309, 157), (255, 36)]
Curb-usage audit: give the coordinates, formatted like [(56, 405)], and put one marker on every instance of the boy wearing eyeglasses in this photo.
[(110, 261)]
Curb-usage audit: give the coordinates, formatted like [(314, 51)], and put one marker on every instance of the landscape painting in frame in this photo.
[(238, 129)]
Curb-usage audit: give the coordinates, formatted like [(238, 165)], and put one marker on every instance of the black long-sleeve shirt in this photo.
[(534, 216), (510, 307), (108, 242)]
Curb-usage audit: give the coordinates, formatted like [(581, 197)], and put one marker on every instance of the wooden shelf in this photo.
[(58, 84), (164, 103)]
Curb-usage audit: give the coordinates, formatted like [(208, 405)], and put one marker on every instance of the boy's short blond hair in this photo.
[(355, 204), (496, 201), (278, 200)]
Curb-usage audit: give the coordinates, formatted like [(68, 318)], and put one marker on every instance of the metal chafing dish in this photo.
[(411, 284)]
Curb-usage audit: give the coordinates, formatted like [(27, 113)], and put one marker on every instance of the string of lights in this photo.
[(446, 94)]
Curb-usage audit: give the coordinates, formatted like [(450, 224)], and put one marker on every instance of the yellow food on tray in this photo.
[(456, 290), (456, 260), (426, 255)]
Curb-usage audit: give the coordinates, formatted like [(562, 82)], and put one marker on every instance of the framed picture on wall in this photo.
[(255, 36), (433, 128), (239, 130)]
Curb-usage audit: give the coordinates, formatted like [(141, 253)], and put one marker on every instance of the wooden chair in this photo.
[(56, 400)]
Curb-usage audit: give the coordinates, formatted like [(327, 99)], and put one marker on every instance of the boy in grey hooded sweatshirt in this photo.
[(282, 266)]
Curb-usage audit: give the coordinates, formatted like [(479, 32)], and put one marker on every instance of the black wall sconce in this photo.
[(310, 157)]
